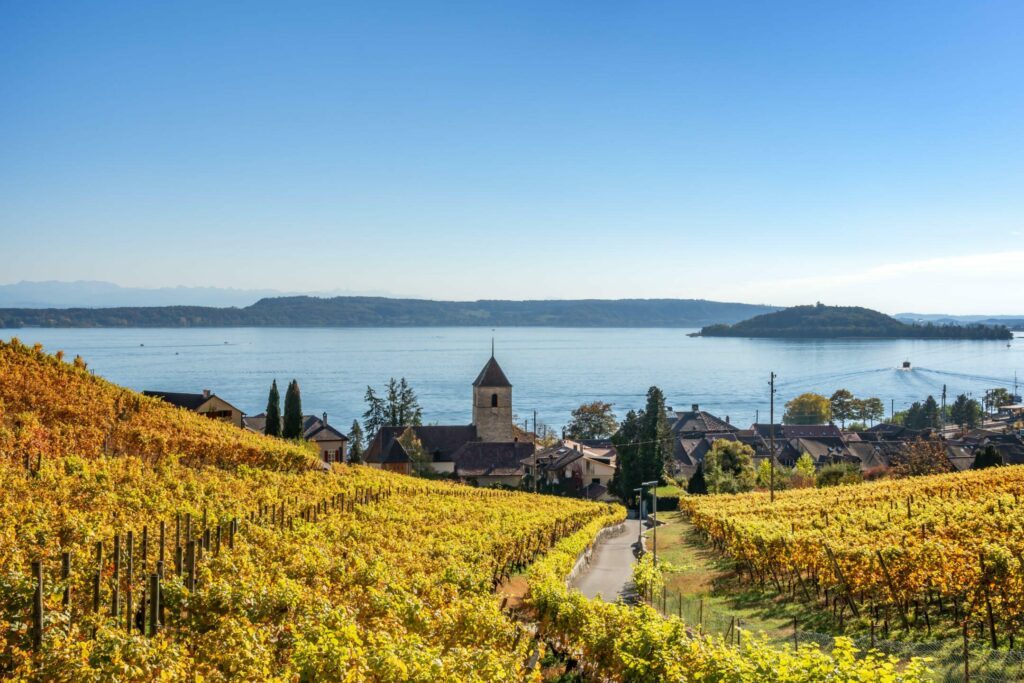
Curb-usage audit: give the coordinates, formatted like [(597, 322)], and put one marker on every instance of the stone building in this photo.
[(486, 452)]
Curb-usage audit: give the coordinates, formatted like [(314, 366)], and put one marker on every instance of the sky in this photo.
[(867, 153)]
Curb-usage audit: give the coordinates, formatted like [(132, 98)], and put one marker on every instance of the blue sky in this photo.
[(858, 153)]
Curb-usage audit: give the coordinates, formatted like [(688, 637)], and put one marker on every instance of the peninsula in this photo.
[(846, 322)]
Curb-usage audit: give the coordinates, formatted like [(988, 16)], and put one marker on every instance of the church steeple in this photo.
[(492, 402)]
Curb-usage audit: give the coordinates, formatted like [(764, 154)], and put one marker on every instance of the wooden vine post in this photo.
[(37, 606)]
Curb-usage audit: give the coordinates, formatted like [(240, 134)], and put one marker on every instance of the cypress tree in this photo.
[(989, 457), (355, 443), (292, 428), (273, 426)]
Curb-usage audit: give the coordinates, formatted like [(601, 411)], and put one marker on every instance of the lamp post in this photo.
[(654, 501), (639, 515)]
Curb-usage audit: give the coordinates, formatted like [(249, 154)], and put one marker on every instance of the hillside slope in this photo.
[(356, 311), (840, 322), (298, 573)]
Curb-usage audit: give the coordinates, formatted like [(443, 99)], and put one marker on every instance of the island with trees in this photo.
[(846, 322)]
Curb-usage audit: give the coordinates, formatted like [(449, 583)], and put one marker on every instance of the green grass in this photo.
[(670, 491), (709, 587)]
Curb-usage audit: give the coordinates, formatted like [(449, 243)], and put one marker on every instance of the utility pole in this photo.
[(892, 409), (771, 437), (942, 417)]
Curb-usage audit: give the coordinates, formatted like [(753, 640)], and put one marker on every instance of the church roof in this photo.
[(492, 376)]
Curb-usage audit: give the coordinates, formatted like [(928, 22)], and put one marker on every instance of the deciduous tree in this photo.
[(729, 467), (807, 409), (594, 420), (841, 404)]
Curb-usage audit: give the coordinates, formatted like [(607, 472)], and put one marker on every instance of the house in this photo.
[(330, 442), (689, 429), (575, 468), (487, 452), (690, 452), (206, 403)]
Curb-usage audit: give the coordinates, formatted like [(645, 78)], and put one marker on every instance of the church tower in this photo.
[(492, 404)]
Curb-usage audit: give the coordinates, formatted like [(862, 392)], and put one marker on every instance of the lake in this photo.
[(552, 370)]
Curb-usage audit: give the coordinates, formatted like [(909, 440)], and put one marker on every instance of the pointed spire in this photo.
[(492, 346)]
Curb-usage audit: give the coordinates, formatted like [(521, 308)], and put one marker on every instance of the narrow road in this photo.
[(611, 567)]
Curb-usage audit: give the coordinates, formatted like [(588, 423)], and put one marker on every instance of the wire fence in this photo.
[(949, 659)]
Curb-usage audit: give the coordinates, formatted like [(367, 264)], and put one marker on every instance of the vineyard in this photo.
[(140, 542), (924, 556), (143, 542)]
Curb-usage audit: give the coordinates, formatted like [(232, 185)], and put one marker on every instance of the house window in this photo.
[(494, 400), (595, 480)]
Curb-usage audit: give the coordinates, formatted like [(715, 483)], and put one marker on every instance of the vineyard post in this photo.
[(37, 606), (65, 577), (154, 604), (796, 636), (178, 560), (190, 562), (157, 596), (128, 588), (892, 591), (842, 580), (163, 541), (967, 654), (115, 598), (96, 577)]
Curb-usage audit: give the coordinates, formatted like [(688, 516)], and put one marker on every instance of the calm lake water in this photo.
[(552, 369)]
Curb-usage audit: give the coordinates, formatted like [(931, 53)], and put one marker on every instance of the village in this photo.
[(494, 451)]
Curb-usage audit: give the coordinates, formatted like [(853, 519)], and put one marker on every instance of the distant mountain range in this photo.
[(96, 294), (1014, 322), (845, 322), (361, 311)]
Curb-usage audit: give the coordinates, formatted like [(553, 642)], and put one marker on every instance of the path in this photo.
[(611, 567)]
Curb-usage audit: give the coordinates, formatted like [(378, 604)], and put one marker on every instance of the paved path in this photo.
[(611, 567)]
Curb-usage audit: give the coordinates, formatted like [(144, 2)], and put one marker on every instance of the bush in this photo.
[(838, 474)]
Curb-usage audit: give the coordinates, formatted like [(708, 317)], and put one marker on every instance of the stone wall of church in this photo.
[(493, 422)]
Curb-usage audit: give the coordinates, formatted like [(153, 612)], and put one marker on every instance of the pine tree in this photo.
[(655, 448), (273, 425), (375, 416), (292, 428), (989, 457), (697, 485), (355, 443), (627, 473), (394, 404), (409, 411)]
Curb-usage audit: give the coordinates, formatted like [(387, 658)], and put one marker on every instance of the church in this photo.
[(486, 452)]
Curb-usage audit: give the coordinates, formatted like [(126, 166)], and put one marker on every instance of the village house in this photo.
[(486, 452), (581, 468), (206, 403), (331, 443)]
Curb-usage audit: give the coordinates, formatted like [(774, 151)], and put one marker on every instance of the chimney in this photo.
[(727, 420), (206, 393), (325, 418), (695, 407)]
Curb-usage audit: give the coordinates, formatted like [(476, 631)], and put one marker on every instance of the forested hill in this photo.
[(306, 311), (838, 322)]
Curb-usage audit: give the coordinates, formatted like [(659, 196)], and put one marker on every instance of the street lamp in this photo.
[(654, 500)]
